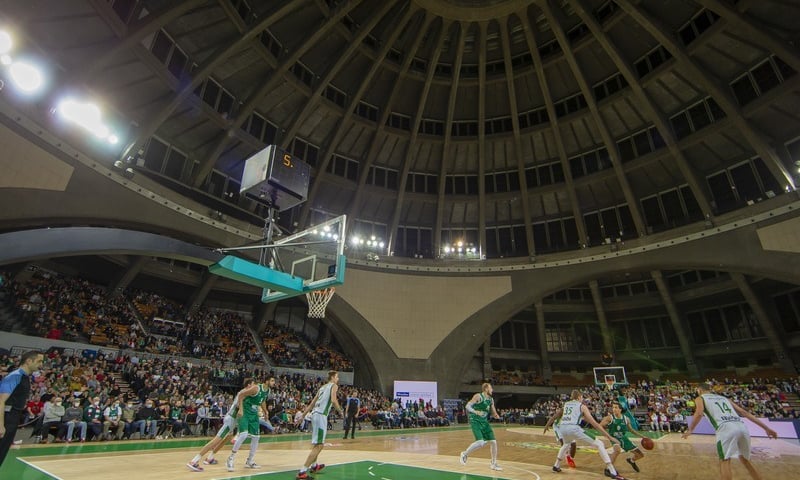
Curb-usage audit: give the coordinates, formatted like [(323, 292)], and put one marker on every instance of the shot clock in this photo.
[(276, 177)]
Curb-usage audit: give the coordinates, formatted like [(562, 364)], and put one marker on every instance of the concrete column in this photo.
[(487, 361), (608, 344), (134, 267), (767, 325), (547, 369), (200, 294), (325, 334), (677, 323), (263, 313)]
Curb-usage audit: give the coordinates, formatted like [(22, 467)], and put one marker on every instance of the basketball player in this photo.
[(479, 407), (223, 434), (570, 415), (250, 399), (733, 439), (573, 447), (619, 425), (320, 406)]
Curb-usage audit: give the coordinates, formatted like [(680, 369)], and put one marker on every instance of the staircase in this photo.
[(793, 399), (124, 387), (137, 316), (259, 343)]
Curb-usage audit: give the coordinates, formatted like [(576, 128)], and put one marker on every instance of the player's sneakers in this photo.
[(556, 469), (570, 462), (316, 468), (496, 467), (213, 461), (304, 476), (252, 465), (195, 467), (463, 458), (608, 474), (632, 464), (229, 463)]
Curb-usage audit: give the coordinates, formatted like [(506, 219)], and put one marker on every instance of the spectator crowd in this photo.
[(68, 308)]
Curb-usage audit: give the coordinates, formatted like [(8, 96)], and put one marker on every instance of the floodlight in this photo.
[(85, 114), (26, 76), (6, 44)]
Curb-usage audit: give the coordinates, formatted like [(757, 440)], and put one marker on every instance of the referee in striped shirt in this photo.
[(14, 391)]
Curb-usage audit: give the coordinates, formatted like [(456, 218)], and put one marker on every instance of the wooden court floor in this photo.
[(409, 454)]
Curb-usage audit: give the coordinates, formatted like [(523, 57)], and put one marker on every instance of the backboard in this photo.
[(314, 255), (294, 264), (603, 376)]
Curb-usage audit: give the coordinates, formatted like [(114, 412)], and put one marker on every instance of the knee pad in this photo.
[(481, 443)]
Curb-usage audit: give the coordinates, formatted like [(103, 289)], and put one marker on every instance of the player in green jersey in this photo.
[(480, 406), (250, 400), (622, 400), (223, 434), (618, 425)]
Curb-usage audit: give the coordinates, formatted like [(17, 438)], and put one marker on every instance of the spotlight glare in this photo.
[(5, 59), (381, 244), (88, 116), (26, 76), (6, 44)]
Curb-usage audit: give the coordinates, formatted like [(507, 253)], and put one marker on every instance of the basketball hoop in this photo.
[(318, 300), (611, 380)]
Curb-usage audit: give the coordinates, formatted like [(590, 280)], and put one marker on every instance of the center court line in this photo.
[(523, 470)]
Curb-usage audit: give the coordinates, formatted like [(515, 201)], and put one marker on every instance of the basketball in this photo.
[(648, 443)]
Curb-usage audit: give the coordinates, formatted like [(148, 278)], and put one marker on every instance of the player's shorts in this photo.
[(574, 433), (319, 428), (481, 428), (249, 423), (733, 441), (626, 443), (228, 425)]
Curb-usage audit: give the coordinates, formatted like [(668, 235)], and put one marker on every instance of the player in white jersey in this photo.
[(569, 427), (319, 407), (733, 439), (222, 436)]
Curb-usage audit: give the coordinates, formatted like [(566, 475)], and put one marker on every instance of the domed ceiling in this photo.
[(514, 127)]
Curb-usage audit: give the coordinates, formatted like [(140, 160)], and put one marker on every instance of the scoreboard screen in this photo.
[(276, 177), (290, 173)]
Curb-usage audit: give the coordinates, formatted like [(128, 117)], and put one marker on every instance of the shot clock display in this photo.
[(276, 177)]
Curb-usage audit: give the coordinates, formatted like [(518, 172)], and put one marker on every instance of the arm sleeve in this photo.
[(8, 384)]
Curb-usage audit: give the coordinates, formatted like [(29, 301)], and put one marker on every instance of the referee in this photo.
[(14, 391)]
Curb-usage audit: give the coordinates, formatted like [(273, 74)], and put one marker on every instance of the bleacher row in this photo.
[(66, 308)]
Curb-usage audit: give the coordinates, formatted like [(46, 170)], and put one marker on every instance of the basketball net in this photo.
[(611, 380), (318, 300)]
